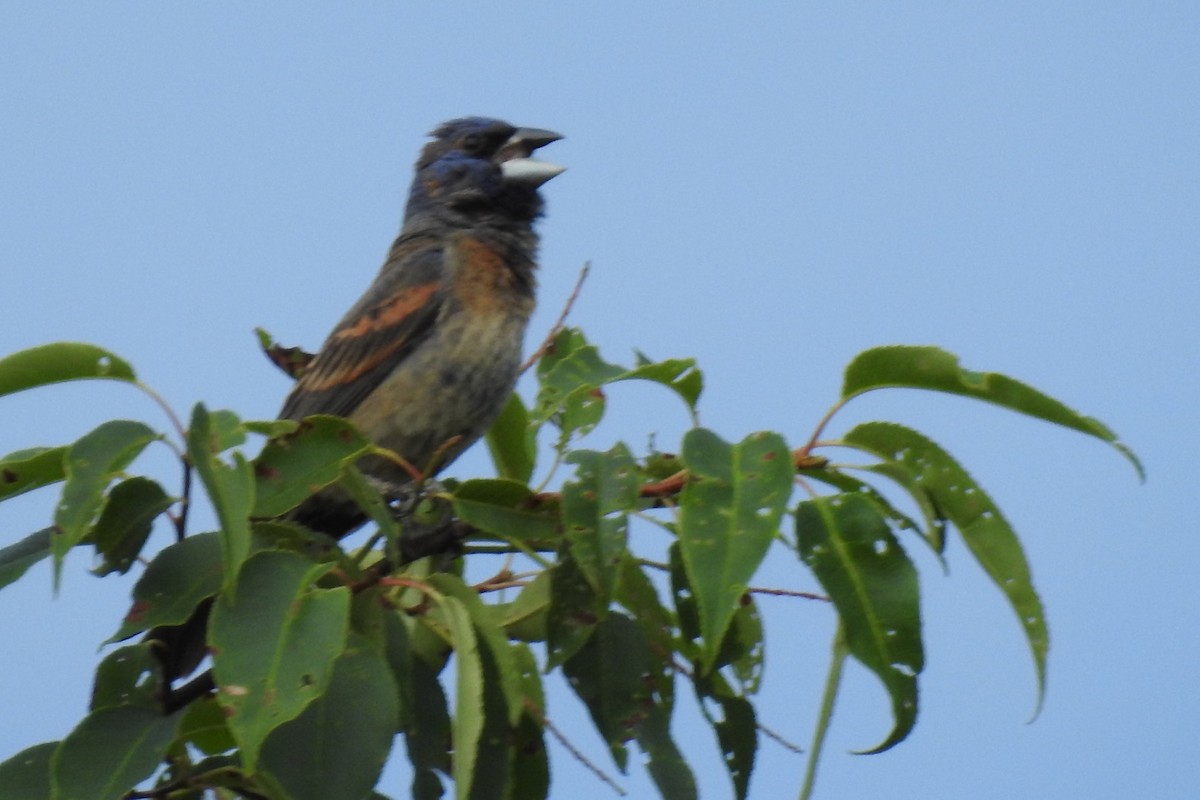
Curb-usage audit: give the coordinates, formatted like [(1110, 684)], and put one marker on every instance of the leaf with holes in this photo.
[(275, 639), (594, 506), (58, 362), (26, 470), (92, 463), (847, 543), (729, 515), (987, 534)]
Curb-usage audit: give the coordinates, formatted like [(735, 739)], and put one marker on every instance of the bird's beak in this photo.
[(514, 157)]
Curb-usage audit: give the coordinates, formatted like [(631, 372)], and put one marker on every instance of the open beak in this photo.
[(515, 159)]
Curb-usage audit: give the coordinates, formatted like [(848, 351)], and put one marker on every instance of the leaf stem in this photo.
[(832, 681)]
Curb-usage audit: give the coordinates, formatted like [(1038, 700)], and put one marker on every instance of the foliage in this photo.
[(323, 654)]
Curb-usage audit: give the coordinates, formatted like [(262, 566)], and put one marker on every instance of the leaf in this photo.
[(594, 506), (291, 360), (58, 362), (607, 675), (27, 774), (275, 639), (230, 488), (179, 578), (934, 532), (846, 542), (511, 442), (468, 695), (126, 522), (572, 374), (574, 611), (987, 534), (293, 466), (490, 635), (203, 726), (505, 509), (26, 470), (610, 674), (729, 514), (424, 718), (911, 367), (678, 374), (530, 778), (526, 617), (736, 729), (91, 464), (20, 556), (127, 676), (339, 743), (110, 752)]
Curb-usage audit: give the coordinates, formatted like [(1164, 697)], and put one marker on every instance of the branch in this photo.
[(558, 324)]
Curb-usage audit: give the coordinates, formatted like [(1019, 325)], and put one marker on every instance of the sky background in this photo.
[(769, 190)]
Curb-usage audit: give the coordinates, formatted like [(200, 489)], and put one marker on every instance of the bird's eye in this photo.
[(473, 143)]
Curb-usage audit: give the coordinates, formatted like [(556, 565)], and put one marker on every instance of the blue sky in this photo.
[(769, 190)]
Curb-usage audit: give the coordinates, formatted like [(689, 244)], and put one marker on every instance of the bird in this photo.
[(426, 359)]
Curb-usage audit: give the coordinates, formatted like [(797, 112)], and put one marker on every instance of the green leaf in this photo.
[(110, 752), (20, 556), (58, 362), (338, 745), (911, 367), (179, 578), (275, 639), (490, 635), (934, 532), (678, 374), (91, 464), (230, 488), (530, 779), (468, 695), (526, 617), (127, 676), (26, 470), (987, 534), (367, 497), (27, 774), (574, 610), (729, 515), (294, 465), (203, 726), (572, 375), (847, 543), (511, 442), (594, 506), (424, 718), (505, 509), (126, 522), (736, 729), (609, 675)]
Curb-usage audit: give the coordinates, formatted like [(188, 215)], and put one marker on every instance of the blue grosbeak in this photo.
[(426, 359)]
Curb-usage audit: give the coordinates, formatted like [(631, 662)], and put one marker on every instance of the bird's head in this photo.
[(478, 170)]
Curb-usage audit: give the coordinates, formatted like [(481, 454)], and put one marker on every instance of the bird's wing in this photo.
[(393, 318)]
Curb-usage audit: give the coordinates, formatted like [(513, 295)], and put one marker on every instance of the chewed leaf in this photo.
[(963, 502), (58, 362), (729, 515), (847, 543), (923, 367), (572, 376)]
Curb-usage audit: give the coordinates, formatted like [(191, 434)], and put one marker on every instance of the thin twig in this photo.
[(562, 318), (790, 593), (579, 756)]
